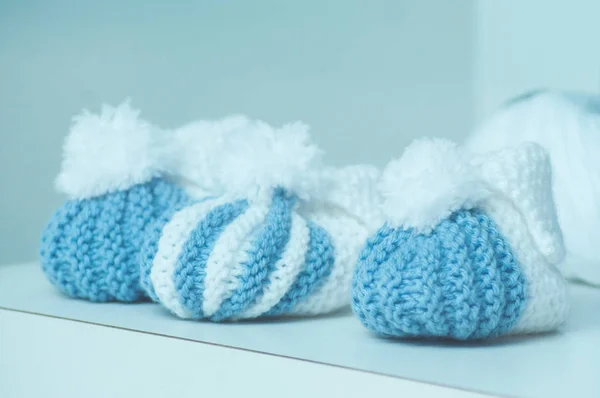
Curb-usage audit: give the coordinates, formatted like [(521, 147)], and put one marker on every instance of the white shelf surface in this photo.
[(566, 363)]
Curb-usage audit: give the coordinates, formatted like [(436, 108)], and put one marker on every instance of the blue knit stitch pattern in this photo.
[(317, 267), (89, 249), (266, 251), (190, 270), (267, 244), (460, 281)]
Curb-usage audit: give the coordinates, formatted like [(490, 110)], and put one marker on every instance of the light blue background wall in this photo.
[(368, 76), (522, 45)]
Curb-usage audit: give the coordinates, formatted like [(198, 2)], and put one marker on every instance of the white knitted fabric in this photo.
[(524, 175), (525, 215), (349, 209), (353, 189), (567, 125), (348, 237)]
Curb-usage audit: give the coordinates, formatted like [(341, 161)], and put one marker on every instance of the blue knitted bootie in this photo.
[(121, 175), (266, 247), (223, 258), (469, 247), (90, 247)]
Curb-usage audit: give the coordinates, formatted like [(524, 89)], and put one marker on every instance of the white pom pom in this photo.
[(107, 152), (431, 180), (259, 158)]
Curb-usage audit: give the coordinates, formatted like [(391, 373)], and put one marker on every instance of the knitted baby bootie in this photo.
[(469, 247), (254, 251), (119, 174), (89, 248)]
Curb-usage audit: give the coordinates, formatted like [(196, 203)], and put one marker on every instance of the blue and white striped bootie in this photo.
[(264, 248), (120, 174), (468, 249)]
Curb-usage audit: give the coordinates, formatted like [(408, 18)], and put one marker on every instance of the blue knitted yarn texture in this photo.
[(90, 247), (317, 267), (460, 281), (267, 245)]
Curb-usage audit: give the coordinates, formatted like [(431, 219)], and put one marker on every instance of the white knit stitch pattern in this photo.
[(225, 263), (524, 175), (348, 237), (175, 234), (567, 124), (354, 189), (286, 269)]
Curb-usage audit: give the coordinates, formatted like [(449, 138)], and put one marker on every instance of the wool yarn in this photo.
[(469, 247), (567, 125), (221, 259), (276, 243), (122, 174), (225, 260), (348, 208), (225, 219), (89, 248)]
